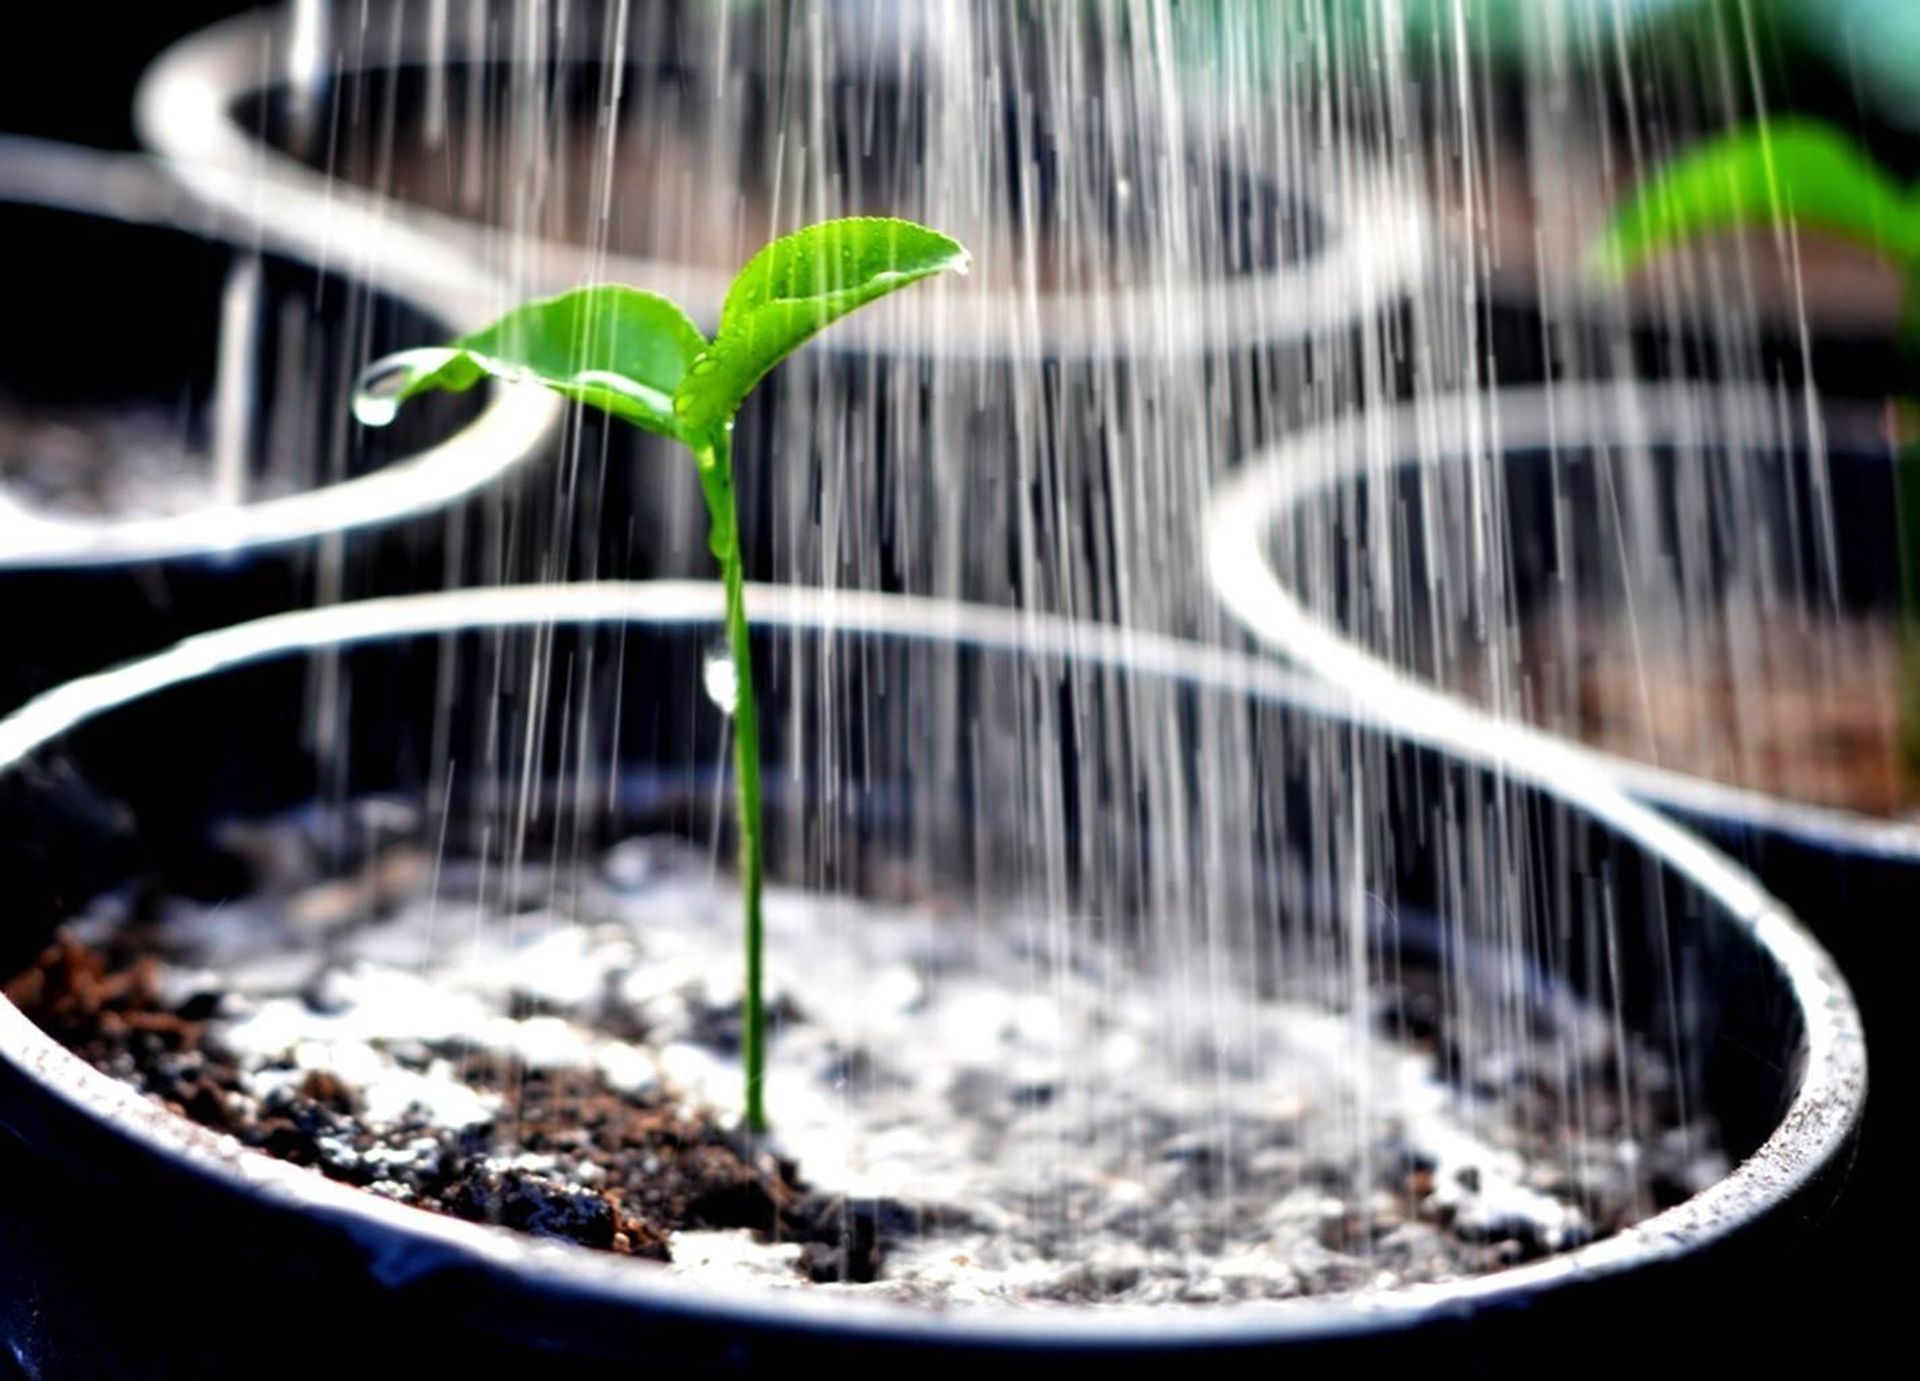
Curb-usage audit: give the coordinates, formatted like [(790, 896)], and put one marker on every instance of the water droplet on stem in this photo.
[(721, 680)]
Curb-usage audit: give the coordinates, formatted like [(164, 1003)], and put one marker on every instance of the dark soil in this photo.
[(659, 1167), (622, 1171), (98, 463), (1812, 714)]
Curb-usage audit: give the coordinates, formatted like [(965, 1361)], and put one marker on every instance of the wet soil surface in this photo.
[(956, 1120), (78, 463), (1805, 710)]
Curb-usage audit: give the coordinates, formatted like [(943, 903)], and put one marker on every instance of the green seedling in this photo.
[(638, 356), (1803, 173)]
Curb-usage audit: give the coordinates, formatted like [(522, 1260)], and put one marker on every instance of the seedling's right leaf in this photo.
[(616, 348), (795, 287), (1788, 170)]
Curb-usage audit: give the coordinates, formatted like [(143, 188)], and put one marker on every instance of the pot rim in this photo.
[(1249, 505), (134, 190), (184, 104), (1811, 1135)]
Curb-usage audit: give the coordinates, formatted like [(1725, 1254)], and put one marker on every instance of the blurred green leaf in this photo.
[(1799, 171)]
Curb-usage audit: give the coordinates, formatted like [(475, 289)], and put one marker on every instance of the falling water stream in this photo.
[(1200, 230)]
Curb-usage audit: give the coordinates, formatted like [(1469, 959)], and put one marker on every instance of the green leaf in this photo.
[(795, 287), (1795, 170), (616, 348)]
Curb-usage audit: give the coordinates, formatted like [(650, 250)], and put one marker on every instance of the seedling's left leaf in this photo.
[(615, 348), (795, 287), (1801, 171)]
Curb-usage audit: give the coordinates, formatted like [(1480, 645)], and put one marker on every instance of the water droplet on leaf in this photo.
[(383, 384), (371, 410)]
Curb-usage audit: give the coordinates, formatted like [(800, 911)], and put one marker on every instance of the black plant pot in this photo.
[(1379, 554), (1080, 360), (126, 301), (953, 746)]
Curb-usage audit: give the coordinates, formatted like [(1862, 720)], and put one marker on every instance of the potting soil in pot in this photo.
[(118, 462), (1801, 706), (961, 1115)]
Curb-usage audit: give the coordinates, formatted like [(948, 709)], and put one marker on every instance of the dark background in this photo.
[(68, 67)]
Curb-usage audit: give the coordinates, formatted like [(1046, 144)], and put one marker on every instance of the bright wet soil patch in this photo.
[(958, 1118)]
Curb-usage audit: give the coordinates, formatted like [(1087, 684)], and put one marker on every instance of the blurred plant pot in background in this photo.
[(176, 445), (1681, 577), (1149, 292)]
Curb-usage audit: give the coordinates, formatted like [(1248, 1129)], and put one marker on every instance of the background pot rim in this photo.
[(134, 190), (1247, 507), (184, 109), (1811, 1136)]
